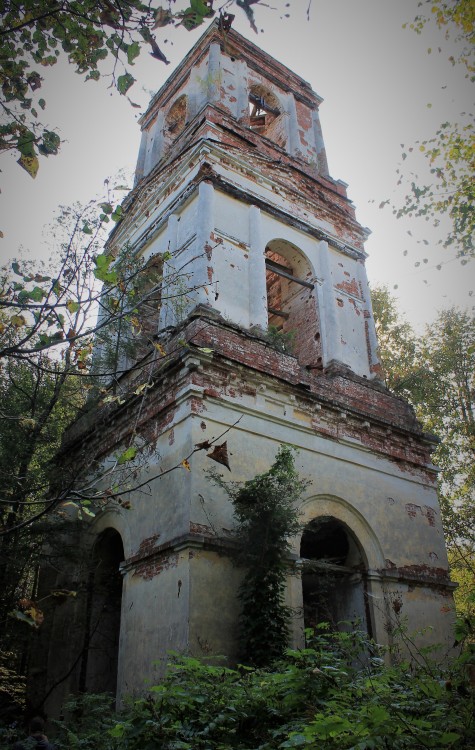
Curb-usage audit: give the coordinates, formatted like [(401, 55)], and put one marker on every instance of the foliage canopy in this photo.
[(436, 373), (451, 150)]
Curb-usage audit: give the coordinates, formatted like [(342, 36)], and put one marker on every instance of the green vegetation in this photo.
[(436, 373), (450, 152), (335, 694), (34, 34), (267, 515)]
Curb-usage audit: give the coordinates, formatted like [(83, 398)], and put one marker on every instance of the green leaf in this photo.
[(88, 512), (26, 144), (50, 143), (24, 297), (37, 294), (102, 262), (86, 228), (133, 51), (128, 455), (72, 306), (201, 8), (124, 83), (30, 164), (448, 738)]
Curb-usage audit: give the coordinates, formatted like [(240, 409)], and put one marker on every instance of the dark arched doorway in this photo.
[(101, 648), (333, 576)]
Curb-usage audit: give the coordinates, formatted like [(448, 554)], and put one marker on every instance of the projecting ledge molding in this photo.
[(185, 541), (418, 575)]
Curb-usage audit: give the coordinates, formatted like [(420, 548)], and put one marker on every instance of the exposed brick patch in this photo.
[(152, 568), (350, 287), (197, 405), (201, 528), (424, 572), (430, 514), (421, 575), (377, 419), (412, 510), (148, 545)]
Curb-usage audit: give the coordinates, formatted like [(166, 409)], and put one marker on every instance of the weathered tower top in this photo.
[(237, 80)]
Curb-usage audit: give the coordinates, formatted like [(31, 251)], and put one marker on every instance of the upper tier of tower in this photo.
[(234, 202), (256, 94)]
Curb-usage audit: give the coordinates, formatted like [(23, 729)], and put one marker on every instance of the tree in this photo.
[(449, 411), (67, 334), (398, 346), (436, 373), (267, 516), (451, 151), (37, 405)]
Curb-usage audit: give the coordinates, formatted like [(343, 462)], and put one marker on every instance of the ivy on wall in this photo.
[(266, 510)]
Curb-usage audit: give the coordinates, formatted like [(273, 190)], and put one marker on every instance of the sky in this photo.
[(377, 80)]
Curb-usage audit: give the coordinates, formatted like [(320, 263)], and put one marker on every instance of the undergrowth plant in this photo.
[(267, 516), (322, 697)]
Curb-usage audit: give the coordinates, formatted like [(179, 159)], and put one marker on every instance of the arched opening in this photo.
[(175, 120), (291, 303), (148, 300), (99, 668), (265, 114), (333, 576)]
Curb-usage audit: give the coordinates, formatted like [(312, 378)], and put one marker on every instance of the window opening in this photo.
[(291, 304), (261, 113), (275, 270), (175, 120), (280, 278), (264, 109), (281, 270), (149, 294)]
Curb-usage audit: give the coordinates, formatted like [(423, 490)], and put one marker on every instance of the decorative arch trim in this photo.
[(322, 506), (111, 519)]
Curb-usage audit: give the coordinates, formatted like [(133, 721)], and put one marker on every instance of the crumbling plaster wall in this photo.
[(226, 80), (183, 594), (218, 245), (391, 509)]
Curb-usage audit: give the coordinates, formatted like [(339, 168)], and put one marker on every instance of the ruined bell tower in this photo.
[(265, 336)]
